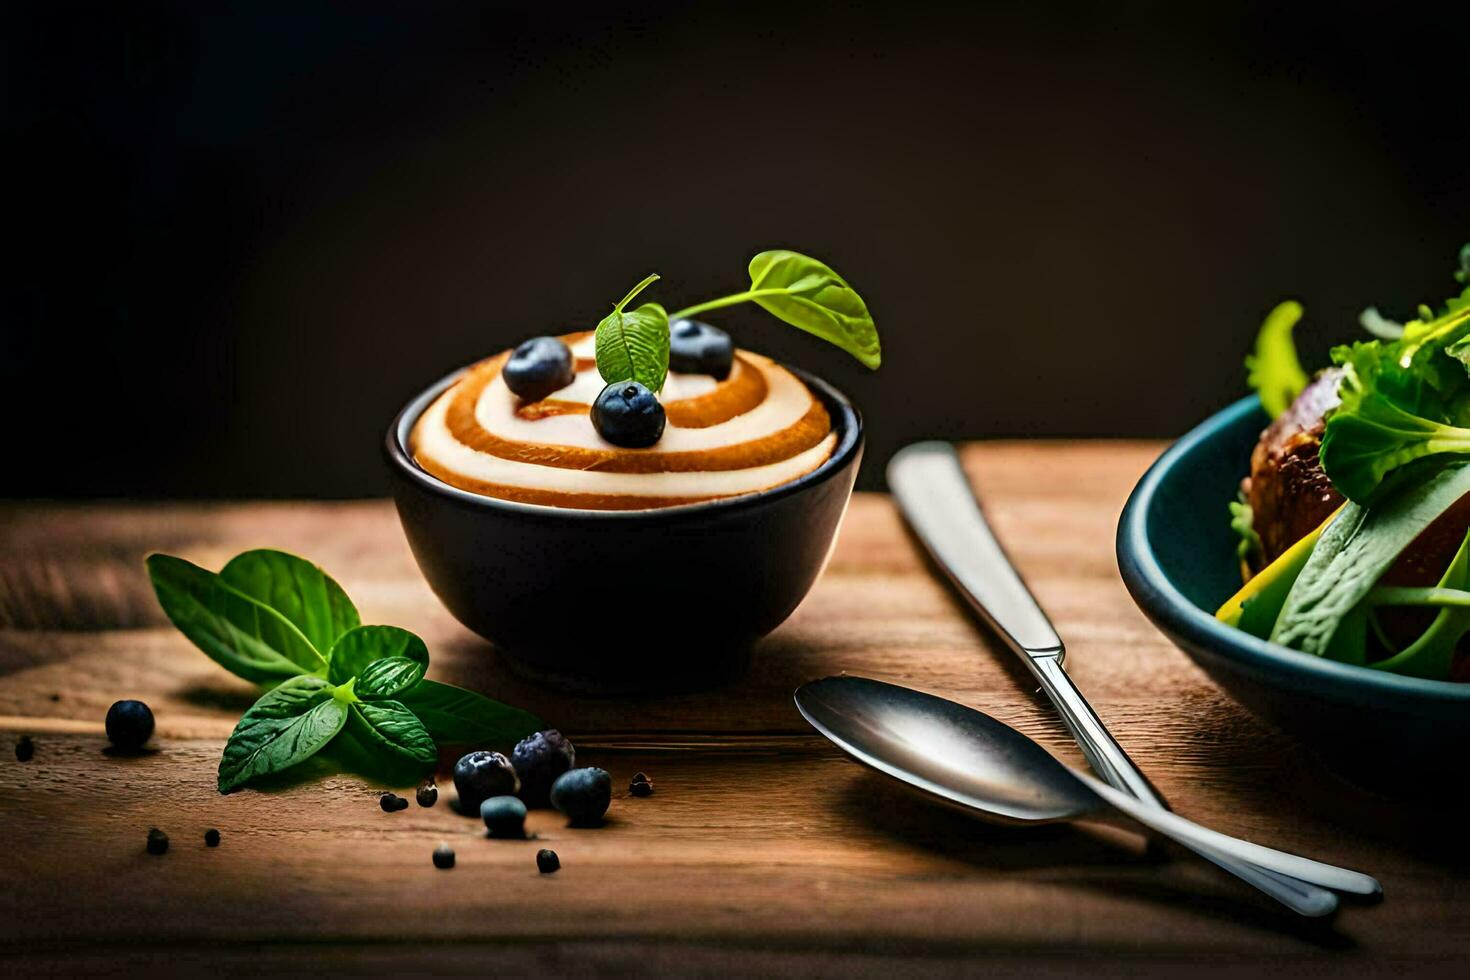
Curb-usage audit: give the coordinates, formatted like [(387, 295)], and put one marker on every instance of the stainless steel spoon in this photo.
[(965, 757)]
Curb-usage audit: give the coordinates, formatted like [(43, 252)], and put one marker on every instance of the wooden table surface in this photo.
[(763, 851)]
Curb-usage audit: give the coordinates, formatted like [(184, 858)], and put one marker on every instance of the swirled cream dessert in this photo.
[(639, 414), (755, 429)]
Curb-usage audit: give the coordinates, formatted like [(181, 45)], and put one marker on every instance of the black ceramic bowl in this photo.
[(625, 600), (1176, 553)]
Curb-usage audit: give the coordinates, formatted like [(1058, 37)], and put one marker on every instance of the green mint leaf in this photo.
[(298, 590), (389, 677), (1273, 370), (810, 296), (359, 647), (246, 637), (286, 726), (1354, 552), (455, 716), (390, 730), (634, 345)]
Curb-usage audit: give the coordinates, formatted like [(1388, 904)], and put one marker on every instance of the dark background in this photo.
[(241, 236)]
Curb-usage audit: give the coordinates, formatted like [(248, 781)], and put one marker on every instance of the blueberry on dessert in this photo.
[(698, 348), (539, 759), (481, 775), (539, 367), (629, 415)]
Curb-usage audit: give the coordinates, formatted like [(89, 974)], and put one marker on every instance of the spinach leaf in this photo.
[(389, 677), (1273, 370), (246, 637), (359, 647), (389, 729), (634, 346), (1356, 549), (298, 590), (459, 717), (286, 726)]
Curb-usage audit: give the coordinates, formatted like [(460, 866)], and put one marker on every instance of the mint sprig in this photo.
[(792, 287), (357, 691)]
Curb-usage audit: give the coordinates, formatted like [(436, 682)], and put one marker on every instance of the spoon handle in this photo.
[(1202, 839)]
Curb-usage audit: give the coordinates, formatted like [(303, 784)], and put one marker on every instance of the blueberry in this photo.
[(627, 414), (25, 749), (698, 348), (582, 794), (427, 794), (443, 857), (641, 785), (504, 816), (539, 759), (129, 724), (157, 841), (481, 775), (211, 838), (539, 367), (547, 861), (389, 802)]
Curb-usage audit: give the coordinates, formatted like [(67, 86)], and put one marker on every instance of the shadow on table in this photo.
[(1097, 859)]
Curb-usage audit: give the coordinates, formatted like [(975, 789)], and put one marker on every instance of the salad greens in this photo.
[(792, 287), (356, 691), (1397, 448)]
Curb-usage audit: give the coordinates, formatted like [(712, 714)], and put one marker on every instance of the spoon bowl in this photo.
[(968, 759)]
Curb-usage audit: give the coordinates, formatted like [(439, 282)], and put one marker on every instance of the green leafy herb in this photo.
[(1400, 401), (1273, 370), (455, 716), (357, 692), (286, 726), (1354, 552), (246, 637), (300, 591), (634, 346), (1248, 547), (809, 295)]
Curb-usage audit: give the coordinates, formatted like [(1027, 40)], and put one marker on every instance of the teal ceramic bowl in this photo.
[(1176, 554)]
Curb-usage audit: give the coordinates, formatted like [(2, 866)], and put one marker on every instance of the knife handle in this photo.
[(936, 498), (1103, 752)]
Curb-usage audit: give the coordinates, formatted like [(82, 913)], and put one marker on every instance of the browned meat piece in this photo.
[(1287, 490)]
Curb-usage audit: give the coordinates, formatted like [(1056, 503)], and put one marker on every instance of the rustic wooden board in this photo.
[(763, 850)]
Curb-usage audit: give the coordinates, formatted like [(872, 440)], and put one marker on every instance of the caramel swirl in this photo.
[(756, 429)]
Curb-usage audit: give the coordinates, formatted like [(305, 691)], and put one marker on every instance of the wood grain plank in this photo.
[(762, 850)]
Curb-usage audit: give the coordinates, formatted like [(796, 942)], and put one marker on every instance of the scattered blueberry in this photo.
[(641, 785), (582, 794), (129, 724), (481, 775), (504, 816), (389, 802), (698, 348), (25, 749), (444, 857), (547, 861), (629, 415), (157, 841), (538, 760), (211, 838), (427, 794), (539, 367)]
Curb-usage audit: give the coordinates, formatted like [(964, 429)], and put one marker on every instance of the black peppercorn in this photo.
[(211, 838), (547, 861), (25, 748), (444, 857), (428, 794), (157, 841)]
